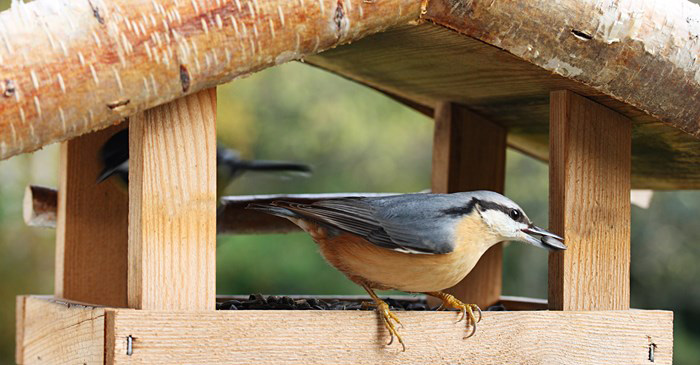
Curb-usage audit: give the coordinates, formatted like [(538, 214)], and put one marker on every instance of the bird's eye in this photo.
[(514, 214)]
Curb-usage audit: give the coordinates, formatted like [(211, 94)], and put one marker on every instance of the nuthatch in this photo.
[(229, 165), (420, 243)]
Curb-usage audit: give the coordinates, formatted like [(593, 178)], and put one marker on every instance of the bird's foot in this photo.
[(466, 310), (388, 318)]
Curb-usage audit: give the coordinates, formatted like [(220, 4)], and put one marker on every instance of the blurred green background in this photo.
[(358, 141)]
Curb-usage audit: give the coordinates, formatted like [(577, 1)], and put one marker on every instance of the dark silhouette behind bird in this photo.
[(115, 159)]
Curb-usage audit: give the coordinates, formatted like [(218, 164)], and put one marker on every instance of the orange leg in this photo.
[(387, 316), (467, 310)]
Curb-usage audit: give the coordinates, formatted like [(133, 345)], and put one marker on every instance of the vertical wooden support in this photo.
[(91, 226), (589, 197), (19, 328), (469, 153), (172, 212)]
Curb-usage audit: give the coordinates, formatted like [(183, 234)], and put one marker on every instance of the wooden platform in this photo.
[(82, 334)]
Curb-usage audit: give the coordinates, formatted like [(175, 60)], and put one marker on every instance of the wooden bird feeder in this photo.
[(606, 91)]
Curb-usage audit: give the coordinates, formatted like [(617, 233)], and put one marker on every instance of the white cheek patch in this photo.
[(493, 218), (500, 222)]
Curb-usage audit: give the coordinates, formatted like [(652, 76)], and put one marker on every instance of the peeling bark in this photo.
[(641, 52), (71, 67)]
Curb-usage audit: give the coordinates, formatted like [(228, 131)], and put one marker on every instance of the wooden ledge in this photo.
[(51, 331), (60, 332)]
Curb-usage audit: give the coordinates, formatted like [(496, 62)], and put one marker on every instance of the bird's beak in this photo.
[(543, 239)]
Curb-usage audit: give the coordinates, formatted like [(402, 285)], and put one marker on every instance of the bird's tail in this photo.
[(275, 166), (113, 154), (273, 210), (105, 174)]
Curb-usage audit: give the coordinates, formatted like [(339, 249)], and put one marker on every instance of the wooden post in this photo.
[(19, 329), (589, 197), (91, 227), (469, 153), (172, 212)]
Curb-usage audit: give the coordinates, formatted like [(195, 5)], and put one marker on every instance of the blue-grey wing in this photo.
[(406, 223)]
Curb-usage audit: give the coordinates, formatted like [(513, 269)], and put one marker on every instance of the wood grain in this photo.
[(62, 84), (428, 64), (39, 206), (469, 153), (589, 205), (110, 339), (60, 333), (19, 328), (91, 226), (358, 337), (73, 67), (628, 50), (172, 205)]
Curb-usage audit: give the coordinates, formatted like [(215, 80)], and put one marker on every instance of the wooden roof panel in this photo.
[(428, 63)]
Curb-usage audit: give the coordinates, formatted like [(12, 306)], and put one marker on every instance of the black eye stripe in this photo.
[(461, 211), (485, 205)]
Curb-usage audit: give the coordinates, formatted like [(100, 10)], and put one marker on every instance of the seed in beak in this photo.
[(553, 243), (550, 240)]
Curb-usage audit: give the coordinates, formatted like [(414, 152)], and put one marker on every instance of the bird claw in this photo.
[(387, 317), (466, 310)]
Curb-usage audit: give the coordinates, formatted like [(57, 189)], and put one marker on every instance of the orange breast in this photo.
[(383, 268)]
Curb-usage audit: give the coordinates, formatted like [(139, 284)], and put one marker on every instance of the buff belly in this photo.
[(382, 268)]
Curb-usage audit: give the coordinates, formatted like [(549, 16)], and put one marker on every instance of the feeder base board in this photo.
[(53, 331)]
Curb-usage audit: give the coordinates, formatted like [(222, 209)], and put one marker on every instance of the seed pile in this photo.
[(271, 302), (258, 301)]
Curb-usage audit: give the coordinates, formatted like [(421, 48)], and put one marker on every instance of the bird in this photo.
[(114, 157), (416, 243)]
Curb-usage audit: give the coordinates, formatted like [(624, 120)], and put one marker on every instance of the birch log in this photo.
[(641, 52), (501, 59), (70, 67)]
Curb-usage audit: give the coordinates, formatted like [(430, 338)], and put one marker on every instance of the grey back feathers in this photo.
[(411, 223)]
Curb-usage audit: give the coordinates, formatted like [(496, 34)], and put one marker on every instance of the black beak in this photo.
[(547, 240)]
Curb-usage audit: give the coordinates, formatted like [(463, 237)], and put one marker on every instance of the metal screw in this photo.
[(129, 345)]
